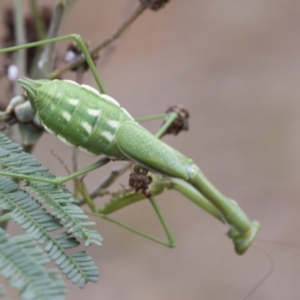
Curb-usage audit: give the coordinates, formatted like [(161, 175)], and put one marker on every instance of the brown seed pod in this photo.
[(140, 181), (181, 122)]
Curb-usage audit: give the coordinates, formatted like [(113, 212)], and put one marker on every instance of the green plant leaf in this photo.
[(39, 223), (22, 264)]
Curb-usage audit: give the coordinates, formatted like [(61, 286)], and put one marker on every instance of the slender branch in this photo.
[(119, 31), (38, 21), (20, 39), (83, 191), (8, 123), (20, 58), (114, 175), (44, 63)]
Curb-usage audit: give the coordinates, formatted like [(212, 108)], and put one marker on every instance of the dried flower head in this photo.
[(181, 122), (140, 181)]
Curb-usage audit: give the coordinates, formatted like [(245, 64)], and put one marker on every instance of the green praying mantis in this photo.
[(80, 116)]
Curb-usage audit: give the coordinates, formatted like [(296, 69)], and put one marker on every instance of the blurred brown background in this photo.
[(236, 66)]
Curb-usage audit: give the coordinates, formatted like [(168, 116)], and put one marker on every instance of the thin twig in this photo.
[(20, 39), (114, 175), (44, 64), (8, 123), (38, 21), (119, 31)]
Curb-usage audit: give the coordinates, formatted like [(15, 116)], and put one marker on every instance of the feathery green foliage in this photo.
[(58, 198), (22, 264), (29, 213)]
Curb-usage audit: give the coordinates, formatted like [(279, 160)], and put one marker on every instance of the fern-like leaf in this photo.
[(29, 213), (72, 215), (22, 264), (58, 198), (38, 223)]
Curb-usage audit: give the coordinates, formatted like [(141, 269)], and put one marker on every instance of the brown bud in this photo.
[(140, 181), (181, 122)]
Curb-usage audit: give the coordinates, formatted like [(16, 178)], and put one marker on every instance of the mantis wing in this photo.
[(139, 145)]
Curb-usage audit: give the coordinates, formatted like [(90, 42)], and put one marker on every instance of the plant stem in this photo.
[(38, 21), (44, 64), (20, 40)]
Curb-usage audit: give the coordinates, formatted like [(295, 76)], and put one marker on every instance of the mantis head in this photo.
[(31, 86)]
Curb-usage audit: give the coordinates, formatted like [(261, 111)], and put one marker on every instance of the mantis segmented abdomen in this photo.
[(78, 114)]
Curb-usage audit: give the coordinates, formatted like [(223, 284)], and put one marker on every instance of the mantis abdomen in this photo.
[(78, 114)]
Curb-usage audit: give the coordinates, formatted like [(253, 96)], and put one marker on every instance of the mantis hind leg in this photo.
[(171, 240), (103, 214), (79, 42)]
